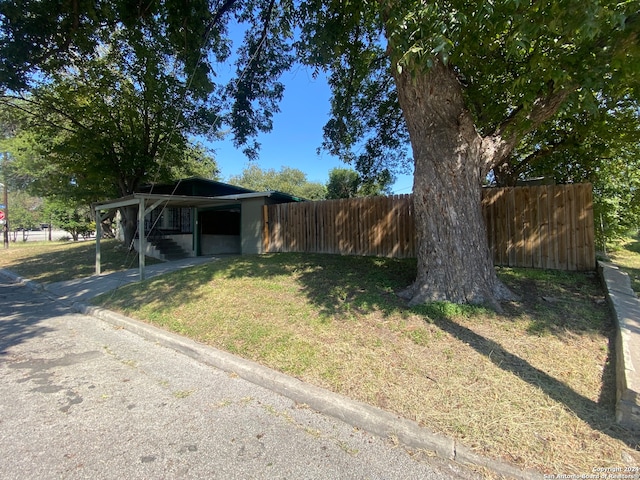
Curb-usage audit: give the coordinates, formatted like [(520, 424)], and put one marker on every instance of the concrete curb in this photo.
[(360, 415), (625, 306), (36, 287)]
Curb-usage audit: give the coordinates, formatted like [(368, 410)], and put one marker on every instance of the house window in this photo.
[(169, 220), (220, 222)]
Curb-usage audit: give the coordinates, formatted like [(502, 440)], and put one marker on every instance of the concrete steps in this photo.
[(167, 249)]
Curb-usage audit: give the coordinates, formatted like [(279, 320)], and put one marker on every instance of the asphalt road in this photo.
[(81, 398)]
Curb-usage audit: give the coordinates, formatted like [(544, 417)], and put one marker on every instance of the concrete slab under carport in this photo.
[(626, 312)]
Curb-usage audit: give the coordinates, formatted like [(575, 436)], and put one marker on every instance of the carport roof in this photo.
[(179, 200)]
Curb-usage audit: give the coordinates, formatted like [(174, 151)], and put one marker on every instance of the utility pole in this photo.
[(5, 201)]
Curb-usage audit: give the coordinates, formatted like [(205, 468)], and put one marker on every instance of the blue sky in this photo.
[(296, 135)]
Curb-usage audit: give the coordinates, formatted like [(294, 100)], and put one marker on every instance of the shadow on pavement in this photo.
[(21, 313)]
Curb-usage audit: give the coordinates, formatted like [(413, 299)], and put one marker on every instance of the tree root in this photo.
[(417, 294)]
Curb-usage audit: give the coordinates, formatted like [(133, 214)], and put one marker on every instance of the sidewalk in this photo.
[(82, 289)]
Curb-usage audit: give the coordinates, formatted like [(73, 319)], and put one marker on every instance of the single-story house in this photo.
[(194, 217)]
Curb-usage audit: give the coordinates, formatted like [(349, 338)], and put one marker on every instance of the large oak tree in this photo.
[(472, 81)]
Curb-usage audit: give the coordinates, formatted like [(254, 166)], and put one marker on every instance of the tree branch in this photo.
[(224, 8), (33, 115), (499, 145), (265, 31)]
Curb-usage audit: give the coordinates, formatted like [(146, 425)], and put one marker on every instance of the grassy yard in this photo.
[(49, 262), (533, 386)]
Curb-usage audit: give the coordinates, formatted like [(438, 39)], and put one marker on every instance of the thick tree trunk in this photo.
[(454, 261), (129, 224)]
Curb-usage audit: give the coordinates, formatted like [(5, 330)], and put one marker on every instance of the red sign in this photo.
[(1, 214)]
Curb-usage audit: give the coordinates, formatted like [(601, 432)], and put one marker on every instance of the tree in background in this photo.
[(26, 213), (602, 147), (286, 180), (343, 183), (112, 124), (464, 83), (347, 183), (118, 90), (73, 218)]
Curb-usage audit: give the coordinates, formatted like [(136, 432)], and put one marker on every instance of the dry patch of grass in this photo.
[(533, 386)]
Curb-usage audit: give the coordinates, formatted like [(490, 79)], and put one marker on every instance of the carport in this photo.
[(148, 202)]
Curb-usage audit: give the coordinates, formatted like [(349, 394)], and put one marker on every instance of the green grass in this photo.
[(533, 386), (626, 255), (48, 262)]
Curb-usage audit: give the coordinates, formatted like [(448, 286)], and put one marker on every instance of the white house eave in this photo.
[(241, 196)]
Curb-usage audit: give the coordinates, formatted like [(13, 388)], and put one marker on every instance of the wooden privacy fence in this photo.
[(377, 226), (547, 226)]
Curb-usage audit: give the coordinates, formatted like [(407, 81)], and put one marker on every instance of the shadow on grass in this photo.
[(558, 302), (599, 415), (335, 284)]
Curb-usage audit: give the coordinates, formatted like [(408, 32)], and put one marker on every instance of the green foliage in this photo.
[(71, 217), (601, 147), (197, 162), (117, 120), (447, 310), (120, 90), (44, 38), (263, 56), (48, 36), (515, 62), (366, 128), (113, 122), (510, 53), (287, 180), (346, 183), (343, 183), (25, 211)]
